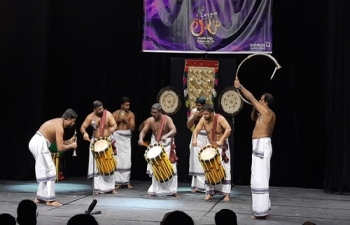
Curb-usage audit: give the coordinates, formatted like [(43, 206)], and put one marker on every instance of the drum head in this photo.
[(208, 153), (100, 145), (153, 151)]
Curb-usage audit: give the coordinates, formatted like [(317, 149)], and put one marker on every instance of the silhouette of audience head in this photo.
[(175, 218), (85, 219), (224, 215), (7, 219), (308, 223), (26, 212)]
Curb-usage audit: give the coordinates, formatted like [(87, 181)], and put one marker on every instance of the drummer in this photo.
[(163, 132), (103, 124), (218, 130)]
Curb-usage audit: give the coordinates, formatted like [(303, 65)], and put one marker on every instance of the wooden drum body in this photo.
[(210, 160)]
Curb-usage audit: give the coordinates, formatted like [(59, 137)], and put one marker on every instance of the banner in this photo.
[(207, 26)]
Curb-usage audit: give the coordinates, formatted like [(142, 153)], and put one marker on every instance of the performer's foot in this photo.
[(114, 192), (193, 190), (227, 198), (259, 217), (117, 187), (175, 195), (36, 200), (54, 203), (208, 197), (130, 186), (96, 193)]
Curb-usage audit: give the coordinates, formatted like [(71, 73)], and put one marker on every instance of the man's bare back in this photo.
[(50, 128)]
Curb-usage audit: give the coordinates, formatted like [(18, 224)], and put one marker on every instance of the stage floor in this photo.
[(134, 207)]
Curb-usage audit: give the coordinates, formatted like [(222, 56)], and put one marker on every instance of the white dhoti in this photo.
[(225, 187), (169, 187), (196, 169), (45, 170), (259, 181), (102, 183), (123, 145)]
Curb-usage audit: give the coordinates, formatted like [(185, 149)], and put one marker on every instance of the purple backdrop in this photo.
[(221, 26)]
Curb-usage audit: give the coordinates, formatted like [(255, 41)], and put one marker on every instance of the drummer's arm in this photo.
[(84, 126), (225, 125), (198, 128), (172, 128), (145, 129)]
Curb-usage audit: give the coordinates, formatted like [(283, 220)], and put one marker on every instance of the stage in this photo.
[(135, 207)]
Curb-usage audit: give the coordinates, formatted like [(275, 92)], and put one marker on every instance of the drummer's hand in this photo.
[(86, 137), (140, 142), (237, 84), (194, 143), (219, 143), (163, 138)]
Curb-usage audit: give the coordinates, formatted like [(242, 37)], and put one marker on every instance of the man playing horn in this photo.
[(51, 131), (264, 119)]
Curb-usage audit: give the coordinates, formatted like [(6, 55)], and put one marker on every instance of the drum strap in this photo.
[(103, 123), (224, 146), (160, 130), (173, 157)]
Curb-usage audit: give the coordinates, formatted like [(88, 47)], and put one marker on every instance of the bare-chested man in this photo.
[(102, 183), (125, 125), (195, 167), (262, 151), (164, 136), (51, 131), (218, 130)]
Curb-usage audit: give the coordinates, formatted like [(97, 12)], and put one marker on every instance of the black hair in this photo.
[(69, 114), (201, 100), (178, 217), (224, 215), (86, 219), (125, 100), (97, 104), (269, 99), (208, 107), (26, 212)]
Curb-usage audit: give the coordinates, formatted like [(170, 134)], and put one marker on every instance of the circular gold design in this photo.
[(169, 101), (230, 101)]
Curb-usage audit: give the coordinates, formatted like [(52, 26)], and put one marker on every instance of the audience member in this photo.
[(26, 212), (225, 216), (85, 219), (176, 217), (7, 219), (308, 223)]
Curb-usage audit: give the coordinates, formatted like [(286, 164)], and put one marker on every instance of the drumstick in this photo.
[(146, 144)]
